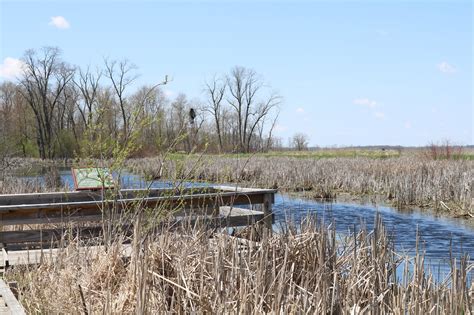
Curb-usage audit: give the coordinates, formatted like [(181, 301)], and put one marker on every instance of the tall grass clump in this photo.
[(306, 268), (403, 181)]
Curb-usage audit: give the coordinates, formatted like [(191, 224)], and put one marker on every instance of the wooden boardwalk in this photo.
[(42, 220), (9, 304), (236, 216), (34, 226)]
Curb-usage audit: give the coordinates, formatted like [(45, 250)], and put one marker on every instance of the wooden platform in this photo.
[(228, 215), (33, 227), (9, 305), (44, 220)]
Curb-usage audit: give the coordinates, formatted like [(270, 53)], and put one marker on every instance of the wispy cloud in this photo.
[(11, 68), (408, 125), (382, 32), (300, 110), (59, 22), (445, 67), (365, 102)]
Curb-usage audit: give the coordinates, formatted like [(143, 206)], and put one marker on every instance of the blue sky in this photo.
[(350, 73)]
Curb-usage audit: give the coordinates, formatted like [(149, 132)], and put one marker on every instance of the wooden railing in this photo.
[(30, 220)]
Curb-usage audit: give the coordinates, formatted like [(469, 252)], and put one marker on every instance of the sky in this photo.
[(349, 72)]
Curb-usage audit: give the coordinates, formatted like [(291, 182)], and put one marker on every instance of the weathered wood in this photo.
[(229, 216), (46, 236), (185, 201), (80, 196), (268, 200), (213, 206), (73, 215), (14, 307), (37, 256), (77, 196)]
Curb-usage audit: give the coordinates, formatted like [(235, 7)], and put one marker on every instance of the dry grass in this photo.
[(304, 269), (410, 180)]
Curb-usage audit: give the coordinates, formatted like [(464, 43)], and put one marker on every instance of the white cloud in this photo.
[(365, 102), (382, 32), (59, 22), (379, 115), (408, 125), (446, 67), (11, 68), (300, 110)]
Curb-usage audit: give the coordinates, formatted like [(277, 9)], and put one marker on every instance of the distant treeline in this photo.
[(57, 110)]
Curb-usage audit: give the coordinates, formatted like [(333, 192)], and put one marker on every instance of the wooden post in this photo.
[(267, 211)]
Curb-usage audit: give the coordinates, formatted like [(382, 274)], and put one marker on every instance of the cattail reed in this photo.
[(305, 268)]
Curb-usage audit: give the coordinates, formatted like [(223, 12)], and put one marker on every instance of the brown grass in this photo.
[(403, 181), (196, 270)]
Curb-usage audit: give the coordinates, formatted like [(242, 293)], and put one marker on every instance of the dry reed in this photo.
[(403, 181), (304, 269)]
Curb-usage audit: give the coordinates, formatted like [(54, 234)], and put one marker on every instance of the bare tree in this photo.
[(215, 91), (8, 90), (121, 75), (300, 141), (88, 84), (44, 79), (251, 107)]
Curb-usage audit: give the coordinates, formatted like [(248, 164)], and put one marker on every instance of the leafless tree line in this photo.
[(243, 110), (56, 109)]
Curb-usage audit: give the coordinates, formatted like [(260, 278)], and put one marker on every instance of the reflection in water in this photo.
[(441, 238)]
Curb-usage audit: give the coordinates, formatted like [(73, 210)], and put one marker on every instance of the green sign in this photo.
[(92, 178)]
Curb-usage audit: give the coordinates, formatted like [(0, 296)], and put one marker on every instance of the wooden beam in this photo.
[(14, 307), (78, 196), (268, 200), (185, 201), (229, 216)]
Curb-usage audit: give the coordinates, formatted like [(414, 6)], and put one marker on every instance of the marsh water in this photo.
[(441, 239)]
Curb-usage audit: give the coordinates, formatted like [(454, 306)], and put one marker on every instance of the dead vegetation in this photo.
[(404, 181), (304, 269)]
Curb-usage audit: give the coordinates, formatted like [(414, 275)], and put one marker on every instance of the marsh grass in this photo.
[(306, 268), (401, 181)]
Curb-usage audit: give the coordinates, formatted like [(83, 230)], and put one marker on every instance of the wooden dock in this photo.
[(9, 304), (34, 226), (41, 220)]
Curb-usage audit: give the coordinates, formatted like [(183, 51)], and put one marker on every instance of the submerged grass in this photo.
[(306, 268)]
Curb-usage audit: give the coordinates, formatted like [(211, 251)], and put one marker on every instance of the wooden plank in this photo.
[(77, 196), (11, 302), (50, 220), (35, 216), (268, 211), (229, 216), (37, 256), (188, 201), (46, 236), (238, 189)]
